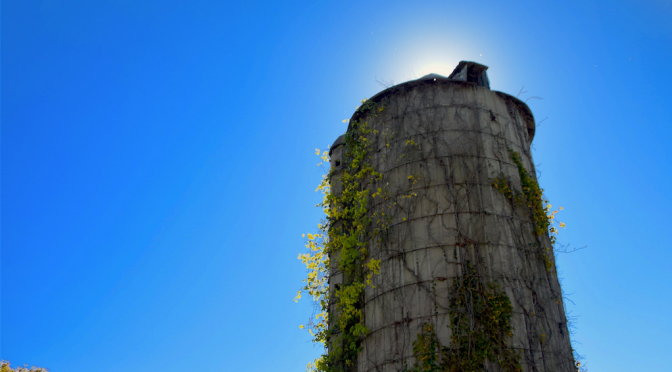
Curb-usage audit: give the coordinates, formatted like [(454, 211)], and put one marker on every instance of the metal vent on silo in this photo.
[(471, 72)]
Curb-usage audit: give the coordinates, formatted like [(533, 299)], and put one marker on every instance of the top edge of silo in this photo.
[(467, 73)]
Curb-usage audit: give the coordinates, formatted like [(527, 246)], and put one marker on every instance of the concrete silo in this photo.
[(455, 223)]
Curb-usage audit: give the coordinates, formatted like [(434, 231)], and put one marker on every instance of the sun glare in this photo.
[(427, 51), (434, 67), (426, 59)]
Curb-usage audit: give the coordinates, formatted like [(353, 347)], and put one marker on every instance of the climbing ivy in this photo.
[(532, 196), (480, 321), (502, 184), (342, 246), (427, 351)]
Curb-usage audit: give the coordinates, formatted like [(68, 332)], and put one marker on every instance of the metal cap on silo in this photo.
[(471, 72)]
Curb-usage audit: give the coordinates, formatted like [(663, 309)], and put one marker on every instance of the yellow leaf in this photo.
[(317, 151)]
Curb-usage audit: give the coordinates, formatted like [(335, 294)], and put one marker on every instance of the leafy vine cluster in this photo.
[(342, 247), (481, 323), (6, 367), (532, 196)]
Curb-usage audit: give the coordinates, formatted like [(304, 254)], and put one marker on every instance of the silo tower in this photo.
[(453, 253)]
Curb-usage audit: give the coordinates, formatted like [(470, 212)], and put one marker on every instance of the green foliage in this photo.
[(532, 196), (6, 367), (345, 235), (480, 320), (502, 184), (426, 350)]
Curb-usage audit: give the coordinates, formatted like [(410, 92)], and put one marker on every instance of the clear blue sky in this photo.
[(158, 165)]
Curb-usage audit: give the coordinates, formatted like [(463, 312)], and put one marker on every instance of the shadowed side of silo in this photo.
[(467, 273)]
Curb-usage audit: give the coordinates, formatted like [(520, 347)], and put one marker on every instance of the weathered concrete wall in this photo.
[(464, 134)]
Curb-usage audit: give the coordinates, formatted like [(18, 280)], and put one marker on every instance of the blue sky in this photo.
[(158, 165)]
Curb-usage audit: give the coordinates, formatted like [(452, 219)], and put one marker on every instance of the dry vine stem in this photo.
[(437, 250)]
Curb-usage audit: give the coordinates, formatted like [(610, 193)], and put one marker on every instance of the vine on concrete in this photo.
[(481, 324), (480, 320), (342, 247), (534, 196), (531, 196)]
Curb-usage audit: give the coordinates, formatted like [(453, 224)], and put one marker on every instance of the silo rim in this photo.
[(527, 113)]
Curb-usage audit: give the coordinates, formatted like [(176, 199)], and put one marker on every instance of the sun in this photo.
[(434, 67)]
